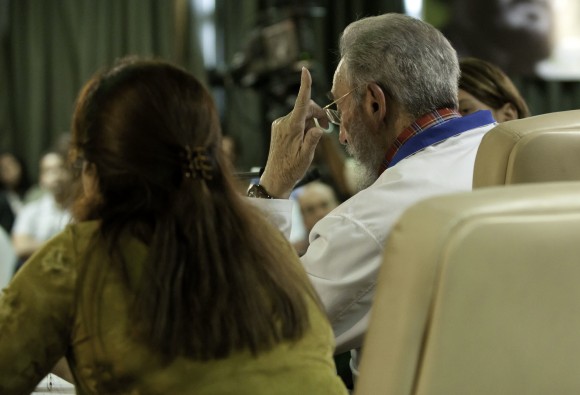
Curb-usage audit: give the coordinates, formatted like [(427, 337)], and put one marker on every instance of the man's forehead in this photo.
[(51, 159), (316, 191)]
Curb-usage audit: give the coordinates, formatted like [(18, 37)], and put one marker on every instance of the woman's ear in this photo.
[(507, 112), (90, 179), (376, 102)]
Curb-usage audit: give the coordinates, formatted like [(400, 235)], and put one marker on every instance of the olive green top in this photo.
[(41, 321)]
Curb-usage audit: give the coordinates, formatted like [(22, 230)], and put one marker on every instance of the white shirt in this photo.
[(346, 246), (41, 219)]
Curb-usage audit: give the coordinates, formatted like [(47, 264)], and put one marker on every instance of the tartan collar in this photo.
[(426, 121)]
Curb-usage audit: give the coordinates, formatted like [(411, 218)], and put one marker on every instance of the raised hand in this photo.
[(293, 141)]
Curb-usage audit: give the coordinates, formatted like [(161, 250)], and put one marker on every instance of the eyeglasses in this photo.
[(332, 114)]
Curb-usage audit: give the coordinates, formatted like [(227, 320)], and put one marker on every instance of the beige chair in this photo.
[(536, 149), (7, 259), (479, 293)]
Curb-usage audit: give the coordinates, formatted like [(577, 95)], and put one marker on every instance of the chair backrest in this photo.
[(7, 258), (536, 149), (479, 293)]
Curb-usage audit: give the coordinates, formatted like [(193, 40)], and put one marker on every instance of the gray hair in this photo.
[(410, 59)]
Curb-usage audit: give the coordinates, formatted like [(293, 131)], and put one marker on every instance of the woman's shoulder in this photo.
[(65, 245), (83, 228), (80, 234)]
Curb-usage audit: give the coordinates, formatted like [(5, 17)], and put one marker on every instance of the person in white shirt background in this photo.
[(41, 219), (395, 90)]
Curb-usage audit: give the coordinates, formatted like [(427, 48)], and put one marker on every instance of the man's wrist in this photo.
[(274, 188)]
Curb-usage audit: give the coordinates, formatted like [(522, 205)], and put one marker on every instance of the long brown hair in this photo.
[(218, 277)]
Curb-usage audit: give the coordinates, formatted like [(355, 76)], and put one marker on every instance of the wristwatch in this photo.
[(258, 191)]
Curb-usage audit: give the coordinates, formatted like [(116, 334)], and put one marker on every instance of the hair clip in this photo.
[(197, 163)]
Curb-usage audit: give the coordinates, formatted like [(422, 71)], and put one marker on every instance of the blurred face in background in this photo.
[(316, 201), (10, 171), (528, 25), (531, 16), (513, 34), (54, 176)]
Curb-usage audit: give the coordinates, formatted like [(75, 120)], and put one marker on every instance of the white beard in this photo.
[(363, 176), (368, 154)]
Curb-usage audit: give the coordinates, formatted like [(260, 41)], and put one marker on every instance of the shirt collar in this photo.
[(426, 121)]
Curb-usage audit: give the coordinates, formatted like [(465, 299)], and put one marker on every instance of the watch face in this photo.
[(258, 191)]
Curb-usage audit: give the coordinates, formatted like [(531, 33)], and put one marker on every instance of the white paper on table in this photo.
[(59, 386)]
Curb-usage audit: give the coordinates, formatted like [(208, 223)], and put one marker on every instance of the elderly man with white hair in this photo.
[(395, 92)]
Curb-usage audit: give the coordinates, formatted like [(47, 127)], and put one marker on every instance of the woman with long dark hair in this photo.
[(169, 282)]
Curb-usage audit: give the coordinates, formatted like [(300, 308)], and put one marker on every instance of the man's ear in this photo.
[(376, 102), (507, 112)]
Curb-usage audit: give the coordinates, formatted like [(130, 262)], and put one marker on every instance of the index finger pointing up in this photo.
[(300, 111)]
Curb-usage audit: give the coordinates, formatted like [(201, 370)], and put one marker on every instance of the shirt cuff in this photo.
[(277, 211)]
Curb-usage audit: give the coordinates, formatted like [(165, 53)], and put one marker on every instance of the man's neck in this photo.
[(395, 126)]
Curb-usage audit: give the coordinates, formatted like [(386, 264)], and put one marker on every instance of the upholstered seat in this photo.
[(479, 293), (536, 149), (7, 258)]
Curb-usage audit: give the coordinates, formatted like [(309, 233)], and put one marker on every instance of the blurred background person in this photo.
[(513, 34), (484, 86), (7, 215), (316, 199), (44, 217), (14, 186), (170, 281)]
